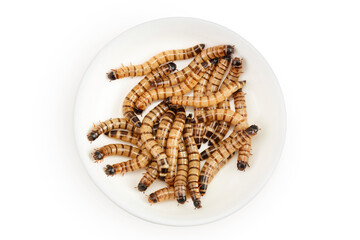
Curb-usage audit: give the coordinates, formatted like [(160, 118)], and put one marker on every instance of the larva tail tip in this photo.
[(142, 187), (202, 45), (198, 146), (204, 140), (189, 115), (111, 76), (138, 111), (109, 170), (241, 166), (181, 199)]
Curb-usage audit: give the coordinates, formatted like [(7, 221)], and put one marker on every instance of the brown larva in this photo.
[(115, 150), (181, 174)]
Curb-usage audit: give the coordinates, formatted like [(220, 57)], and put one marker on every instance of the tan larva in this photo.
[(212, 87), (115, 150), (181, 174), (149, 177), (161, 195), (206, 101), (148, 138), (194, 163), (172, 144), (164, 92), (124, 135), (144, 85), (199, 91), (244, 151), (222, 153), (223, 127), (165, 124), (155, 62), (108, 125)]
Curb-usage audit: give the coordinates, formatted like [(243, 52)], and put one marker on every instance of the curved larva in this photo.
[(115, 150), (199, 91), (206, 101), (223, 152), (212, 87), (155, 62), (124, 135), (164, 92), (165, 124), (108, 125), (181, 174), (144, 85), (146, 133), (194, 163), (172, 144)]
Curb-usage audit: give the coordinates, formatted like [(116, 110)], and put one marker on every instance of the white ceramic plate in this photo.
[(98, 100)]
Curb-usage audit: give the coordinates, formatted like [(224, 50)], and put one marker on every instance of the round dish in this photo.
[(98, 100)]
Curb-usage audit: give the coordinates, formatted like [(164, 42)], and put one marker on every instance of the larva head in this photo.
[(241, 165), (181, 199), (111, 76), (198, 48), (138, 111), (230, 49), (152, 198), (237, 63), (142, 187), (92, 136), (252, 130), (109, 170), (172, 66), (98, 155), (197, 204)]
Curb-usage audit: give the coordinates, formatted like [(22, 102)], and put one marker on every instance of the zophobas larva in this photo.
[(181, 174), (149, 177), (115, 150), (165, 124)]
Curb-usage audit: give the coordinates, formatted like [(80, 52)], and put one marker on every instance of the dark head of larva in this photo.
[(98, 155), (153, 198), (138, 111), (92, 136), (237, 62), (163, 170), (252, 130), (142, 187), (229, 49), (214, 61), (227, 58), (197, 204), (241, 166), (172, 66), (181, 199), (111, 76), (198, 48), (109, 170)]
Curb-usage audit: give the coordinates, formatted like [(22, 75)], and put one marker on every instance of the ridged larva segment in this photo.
[(115, 150), (181, 174), (124, 135)]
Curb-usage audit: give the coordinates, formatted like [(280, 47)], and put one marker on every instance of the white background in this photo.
[(313, 48)]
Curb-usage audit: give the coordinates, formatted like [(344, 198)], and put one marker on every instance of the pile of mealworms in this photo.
[(167, 140)]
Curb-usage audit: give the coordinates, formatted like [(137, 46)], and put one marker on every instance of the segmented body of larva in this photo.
[(148, 138), (124, 135), (181, 174), (222, 153), (166, 122), (222, 127), (206, 101), (226, 115), (115, 150), (108, 125), (172, 144), (244, 151), (164, 92), (199, 91), (155, 62), (149, 177), (144, 85), (194, 163), (212, 87), (161, 195)]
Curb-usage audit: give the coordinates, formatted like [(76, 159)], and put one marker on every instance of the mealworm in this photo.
[(222, 153), (108, 125), (155, 62), (199, 91), (244, 151), (123, 135), (164, 92), (148, 138), (149, 177), (115, 150), (144, 85), (172, 144), (165, 125), (194, 163), (212, 87), (224, 92), (226, 115), (181, 174)]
